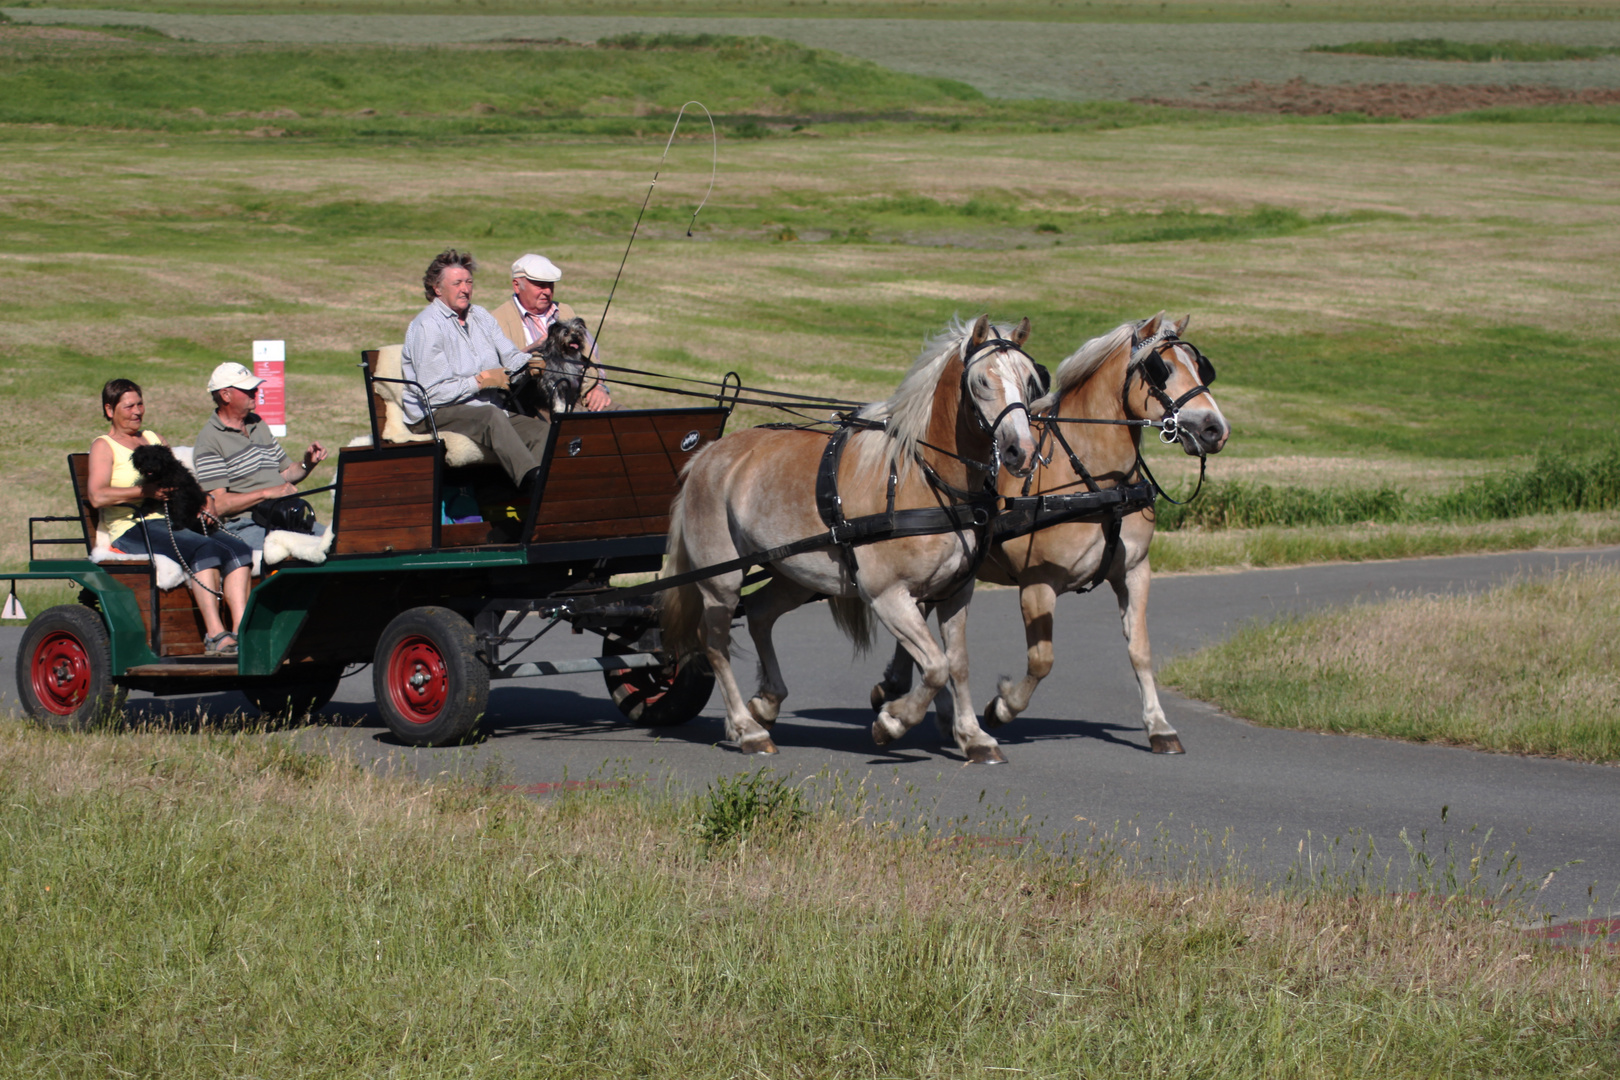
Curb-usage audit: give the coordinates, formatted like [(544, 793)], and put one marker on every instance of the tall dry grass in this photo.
[(181, 905), (1530, 667)]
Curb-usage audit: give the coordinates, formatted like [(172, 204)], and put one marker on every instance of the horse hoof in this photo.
[(879, 699), (763, 711), (1165, 744), (996, 714), (986, 755), (761, 745)]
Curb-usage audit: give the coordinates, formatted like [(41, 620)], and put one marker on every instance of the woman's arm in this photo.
[(102, 493)]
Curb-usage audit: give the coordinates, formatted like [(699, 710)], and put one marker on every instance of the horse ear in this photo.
[(1021, 334), (1181, 327), (981, 330), (1149, 328)]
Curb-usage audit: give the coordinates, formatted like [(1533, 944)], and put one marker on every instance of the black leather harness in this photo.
[(976, 512)]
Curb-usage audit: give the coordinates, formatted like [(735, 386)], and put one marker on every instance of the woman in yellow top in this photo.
[(117, 491)]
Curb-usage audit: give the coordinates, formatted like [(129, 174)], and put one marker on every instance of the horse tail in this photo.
[(679, 609), (853, 616)]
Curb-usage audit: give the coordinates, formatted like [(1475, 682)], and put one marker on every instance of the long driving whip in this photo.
[(714, 167)]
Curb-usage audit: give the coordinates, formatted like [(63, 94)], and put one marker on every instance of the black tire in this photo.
[(660, 696), (430, 683), (64, 669), (296, 697)]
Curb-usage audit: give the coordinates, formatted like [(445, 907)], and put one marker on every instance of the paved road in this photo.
[(1079, 752), (1061, 61)]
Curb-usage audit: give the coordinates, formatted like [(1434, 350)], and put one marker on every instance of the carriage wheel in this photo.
[(430, 683), (64, 669), (295, 697), (660, 696)]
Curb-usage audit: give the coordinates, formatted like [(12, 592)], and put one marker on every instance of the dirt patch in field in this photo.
[(1409, 101), (9, 34)]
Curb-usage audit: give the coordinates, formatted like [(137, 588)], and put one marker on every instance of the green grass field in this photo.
[(1392, 307), (203, 904), (1527, 668), (1032, 10)]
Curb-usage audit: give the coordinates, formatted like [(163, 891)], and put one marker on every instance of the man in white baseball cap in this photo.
[(532, 310), (236, 459)]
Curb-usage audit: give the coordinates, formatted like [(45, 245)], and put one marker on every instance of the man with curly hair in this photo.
[(457, 352)]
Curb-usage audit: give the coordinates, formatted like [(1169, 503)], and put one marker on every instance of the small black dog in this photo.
[(557, 386), (158, 466)]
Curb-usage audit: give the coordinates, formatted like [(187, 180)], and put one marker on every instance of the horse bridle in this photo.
[(973, 354), (1147, 359)]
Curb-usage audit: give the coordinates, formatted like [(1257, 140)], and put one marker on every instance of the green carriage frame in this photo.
[(436, 608)]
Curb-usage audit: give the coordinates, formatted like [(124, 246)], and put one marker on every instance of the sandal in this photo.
[(220, 644)]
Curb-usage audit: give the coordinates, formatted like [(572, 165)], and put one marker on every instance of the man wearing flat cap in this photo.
[(532, 310), (457, 352), (236, 459)]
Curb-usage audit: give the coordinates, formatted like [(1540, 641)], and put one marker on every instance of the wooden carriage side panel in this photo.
[(378, 409), (180, 625), (614, 474), (387, 499), (137, 578), (79, 464)]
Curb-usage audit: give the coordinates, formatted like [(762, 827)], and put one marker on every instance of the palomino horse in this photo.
[(958, 418), (1140, 371)]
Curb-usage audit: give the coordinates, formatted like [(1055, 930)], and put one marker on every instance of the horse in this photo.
[(958, 418), (1139, 371)]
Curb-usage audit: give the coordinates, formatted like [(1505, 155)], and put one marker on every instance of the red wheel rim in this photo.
[(61, 673), (418, 682)]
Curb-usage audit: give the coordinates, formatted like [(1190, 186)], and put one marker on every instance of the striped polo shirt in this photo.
[(238, 461)]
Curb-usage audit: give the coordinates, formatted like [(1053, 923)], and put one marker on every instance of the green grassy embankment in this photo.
[(185, 904), (1528, 668)]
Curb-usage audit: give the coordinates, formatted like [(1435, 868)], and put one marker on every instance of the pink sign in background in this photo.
[(270, 364)]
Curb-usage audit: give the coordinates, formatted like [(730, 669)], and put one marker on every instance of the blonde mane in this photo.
[(909, 409), (1083, 364)]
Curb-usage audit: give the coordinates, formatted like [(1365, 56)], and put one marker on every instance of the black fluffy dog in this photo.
[(557, 385), (159, 467)]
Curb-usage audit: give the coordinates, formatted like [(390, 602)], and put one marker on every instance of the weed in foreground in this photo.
[(737, 807)]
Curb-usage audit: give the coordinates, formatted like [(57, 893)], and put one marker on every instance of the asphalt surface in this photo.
[(1078, 759)]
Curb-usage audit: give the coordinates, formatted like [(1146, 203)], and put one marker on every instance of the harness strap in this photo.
[(867, 529), (1024, 514), (830, 504)]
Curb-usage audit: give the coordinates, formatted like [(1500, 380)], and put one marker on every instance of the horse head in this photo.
[(1169, 381), (998, 382)]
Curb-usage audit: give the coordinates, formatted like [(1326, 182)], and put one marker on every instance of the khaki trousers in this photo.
[(517, 441)]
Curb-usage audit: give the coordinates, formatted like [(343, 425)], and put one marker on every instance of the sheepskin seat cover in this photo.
[(459, 451)]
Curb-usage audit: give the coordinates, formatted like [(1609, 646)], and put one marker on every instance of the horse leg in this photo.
[(903, 617), (719, 601), (778, 597), (978, 747), (896, 679), (1132, 592), (1037, 600)]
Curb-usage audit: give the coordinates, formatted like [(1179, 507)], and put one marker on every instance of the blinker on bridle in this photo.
[(1155, 369), (974, 353)]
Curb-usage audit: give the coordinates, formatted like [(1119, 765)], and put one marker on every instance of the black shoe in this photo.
[(530, 480)]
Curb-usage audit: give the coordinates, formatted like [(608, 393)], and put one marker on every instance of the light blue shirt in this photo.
[(445, 355)]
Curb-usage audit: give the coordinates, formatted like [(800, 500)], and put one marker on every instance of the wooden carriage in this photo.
[(431, 603)]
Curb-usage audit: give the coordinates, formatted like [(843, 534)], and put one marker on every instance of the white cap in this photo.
[(536, 268), (232, 374)]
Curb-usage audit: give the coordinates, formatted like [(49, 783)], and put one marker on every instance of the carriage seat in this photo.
[(459, 451), (278, 546)]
